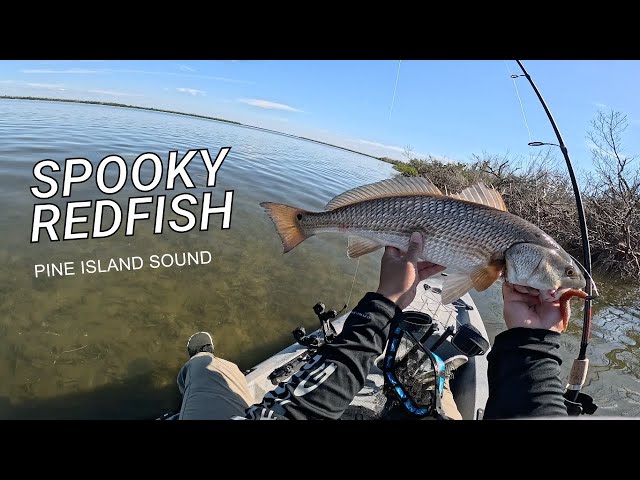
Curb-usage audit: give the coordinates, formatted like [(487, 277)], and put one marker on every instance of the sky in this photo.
[(449, 109)]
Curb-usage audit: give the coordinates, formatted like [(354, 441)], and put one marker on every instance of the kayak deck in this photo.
[(469, 384)]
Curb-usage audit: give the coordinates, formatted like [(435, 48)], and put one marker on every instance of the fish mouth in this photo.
[(554, 295)]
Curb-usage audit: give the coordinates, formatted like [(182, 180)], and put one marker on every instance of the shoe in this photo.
[(453, 363), (199, 342)]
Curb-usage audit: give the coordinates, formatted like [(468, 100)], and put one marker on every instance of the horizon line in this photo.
[(195, 115)]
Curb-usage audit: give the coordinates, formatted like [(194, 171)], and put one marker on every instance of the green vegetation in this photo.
[(407, 170), (539, 190), (391, 160)]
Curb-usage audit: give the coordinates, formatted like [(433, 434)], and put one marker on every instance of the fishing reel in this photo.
[(325, 317), (312, 342), (329, 333)]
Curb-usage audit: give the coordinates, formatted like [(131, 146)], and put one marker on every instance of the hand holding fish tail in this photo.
[(401, 272)]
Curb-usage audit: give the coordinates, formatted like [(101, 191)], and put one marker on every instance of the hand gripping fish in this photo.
[(470, 233)]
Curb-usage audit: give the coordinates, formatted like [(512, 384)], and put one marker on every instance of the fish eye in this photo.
[(299, 216), (570, 271)]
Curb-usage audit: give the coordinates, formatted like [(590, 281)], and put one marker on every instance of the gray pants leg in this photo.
[(212, 389)]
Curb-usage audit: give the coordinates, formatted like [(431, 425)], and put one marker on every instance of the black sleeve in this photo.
[(329, 381), (524, 375)]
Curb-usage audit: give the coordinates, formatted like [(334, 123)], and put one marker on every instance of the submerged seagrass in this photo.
[(470, 233)]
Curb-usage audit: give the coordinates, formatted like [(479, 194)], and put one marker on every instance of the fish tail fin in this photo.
[(286, 219)]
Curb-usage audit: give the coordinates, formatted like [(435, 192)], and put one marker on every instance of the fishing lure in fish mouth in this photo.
[(564, 304)]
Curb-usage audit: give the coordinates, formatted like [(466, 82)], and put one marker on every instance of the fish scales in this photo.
[(456, 233)]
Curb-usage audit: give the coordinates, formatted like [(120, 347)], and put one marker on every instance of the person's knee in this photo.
[(195, 365), (449, 404)]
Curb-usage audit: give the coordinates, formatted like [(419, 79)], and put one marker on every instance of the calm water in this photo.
[(109, 345)]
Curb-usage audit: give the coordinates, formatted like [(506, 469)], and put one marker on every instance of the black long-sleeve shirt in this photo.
[(523, 371), (524, 375)]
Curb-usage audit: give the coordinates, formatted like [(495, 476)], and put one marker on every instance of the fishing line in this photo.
[(353, 281), (513, 79), (439, 303), (588, 275), (395, 89), (526, 123), (428, 297), (393, 99)]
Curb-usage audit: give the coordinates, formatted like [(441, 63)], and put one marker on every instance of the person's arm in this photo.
[(327, 384), (524, 364)]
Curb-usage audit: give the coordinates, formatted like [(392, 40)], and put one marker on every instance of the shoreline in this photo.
[(193, 115)]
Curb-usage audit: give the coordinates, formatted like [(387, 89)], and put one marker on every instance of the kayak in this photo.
[(469, 383)]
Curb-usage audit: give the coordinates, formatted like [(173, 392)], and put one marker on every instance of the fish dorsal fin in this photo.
[(483, 195), (395, 187)]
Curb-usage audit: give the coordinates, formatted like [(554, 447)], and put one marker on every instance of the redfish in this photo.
[(470, 233)]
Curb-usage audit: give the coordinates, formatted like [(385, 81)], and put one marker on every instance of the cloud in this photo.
[(191, 91), (601, 105), (268, 105), (114, 93), (185, 73), (47, 86), (186, 68), (387, 149), (71, 91), (71, 71), (382, 145)]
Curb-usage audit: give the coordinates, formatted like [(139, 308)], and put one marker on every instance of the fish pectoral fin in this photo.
[(483, 277), (359, 246), (455, 285), (483, 195)]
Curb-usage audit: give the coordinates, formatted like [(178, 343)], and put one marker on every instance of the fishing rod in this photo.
[(578, 374)]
